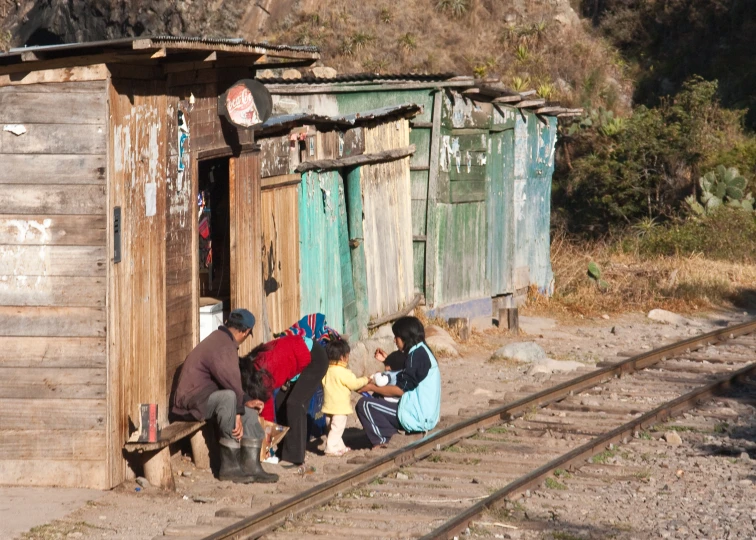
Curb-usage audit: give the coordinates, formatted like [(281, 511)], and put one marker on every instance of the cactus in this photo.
[(722, 186)]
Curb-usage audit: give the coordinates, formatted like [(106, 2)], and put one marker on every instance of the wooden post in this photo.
[(200, 449), (462, 326), (157, 469), (509, 317), (431, 213)]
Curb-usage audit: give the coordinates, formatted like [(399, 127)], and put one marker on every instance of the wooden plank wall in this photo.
[(387, 210), (280, 255), (138, 296), (53, 275), (180, 253), (246, 236)]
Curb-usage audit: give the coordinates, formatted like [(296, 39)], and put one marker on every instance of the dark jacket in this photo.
[(212, 365)]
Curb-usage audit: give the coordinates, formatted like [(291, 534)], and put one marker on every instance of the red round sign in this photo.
[(241, 107), (246, 104)]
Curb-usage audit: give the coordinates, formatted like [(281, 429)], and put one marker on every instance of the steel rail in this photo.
[(661, 414), (263, 522)]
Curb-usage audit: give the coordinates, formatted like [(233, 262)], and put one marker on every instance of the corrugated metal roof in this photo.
[(288, 121), (365, 77), (184, 43)]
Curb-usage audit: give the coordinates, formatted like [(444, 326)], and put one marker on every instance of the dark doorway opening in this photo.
[(214, 232)]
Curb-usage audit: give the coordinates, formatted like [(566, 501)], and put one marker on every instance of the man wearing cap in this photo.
[(209, 388)]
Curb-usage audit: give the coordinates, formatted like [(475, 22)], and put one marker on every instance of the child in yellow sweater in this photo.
[(338, 383)]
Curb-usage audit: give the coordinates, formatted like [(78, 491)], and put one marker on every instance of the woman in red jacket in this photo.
[(272, 366)]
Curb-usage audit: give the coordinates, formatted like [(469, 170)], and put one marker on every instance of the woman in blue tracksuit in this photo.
[(418, 386)]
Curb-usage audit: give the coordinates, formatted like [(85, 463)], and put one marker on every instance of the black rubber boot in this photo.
[(250, 462), (230, 463)]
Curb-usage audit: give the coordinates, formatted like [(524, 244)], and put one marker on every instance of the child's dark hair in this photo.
[(257, 383), (336, 349), (410, 330)]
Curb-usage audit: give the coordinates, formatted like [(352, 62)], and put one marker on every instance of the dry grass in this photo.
[(567, 63), (680, 283)]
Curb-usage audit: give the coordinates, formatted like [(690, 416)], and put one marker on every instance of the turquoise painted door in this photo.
[(325, 265), (500, 211)]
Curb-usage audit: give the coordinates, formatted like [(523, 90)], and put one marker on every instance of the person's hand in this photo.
[(369, 387), (380, 355), (255, 404), (238, 431)]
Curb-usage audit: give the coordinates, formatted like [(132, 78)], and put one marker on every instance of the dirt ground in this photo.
[(469, 381)]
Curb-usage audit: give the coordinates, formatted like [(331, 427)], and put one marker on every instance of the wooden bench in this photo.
[(157, 463)]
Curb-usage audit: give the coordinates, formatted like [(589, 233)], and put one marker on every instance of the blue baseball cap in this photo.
[(242, 317)]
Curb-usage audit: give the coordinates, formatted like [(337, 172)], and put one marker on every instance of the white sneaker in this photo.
[(271, 459)]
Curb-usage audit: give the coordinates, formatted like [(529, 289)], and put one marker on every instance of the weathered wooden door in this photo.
[(244, 213), (500, 209), (280, 254)]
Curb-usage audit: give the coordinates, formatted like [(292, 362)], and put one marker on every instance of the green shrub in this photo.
[(728, 235)]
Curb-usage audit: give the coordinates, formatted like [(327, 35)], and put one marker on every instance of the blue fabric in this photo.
[(420, 408), (312, 326)]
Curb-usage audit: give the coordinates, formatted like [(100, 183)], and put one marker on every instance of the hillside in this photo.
[(539, 44)]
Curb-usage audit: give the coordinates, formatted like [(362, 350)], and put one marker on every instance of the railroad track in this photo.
[(435, 487)]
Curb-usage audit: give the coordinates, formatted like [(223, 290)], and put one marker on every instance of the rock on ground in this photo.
[(662, 315), (440, 342), (549, 366), (672, 438), (525, 351)]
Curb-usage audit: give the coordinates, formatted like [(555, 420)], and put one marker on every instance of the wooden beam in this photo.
[(527, 93), (508, 99), (431, 216), (414, 124), (530, 103), (284, 89), (352, 161), (549, 110), (280, 181), (401, 313)]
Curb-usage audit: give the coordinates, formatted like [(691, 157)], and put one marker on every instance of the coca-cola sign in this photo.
[(246, 104)]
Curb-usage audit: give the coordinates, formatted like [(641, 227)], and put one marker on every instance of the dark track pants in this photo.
[(378, 418), (291, 406)]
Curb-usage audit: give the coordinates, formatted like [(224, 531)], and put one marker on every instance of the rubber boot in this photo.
[(230, 463), (250, 462)]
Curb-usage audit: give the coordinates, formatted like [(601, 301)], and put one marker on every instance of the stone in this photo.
[(402, 476), (203, 500), (605, 317), (186, 473), (526, 352), (360, 361), (662, 315), (549, 366), (482, 392), (143, 482), (440, 342), (323, 72), (614, 330), (383, 332), (744, 456), (672, 438), (75, 534), (291, 74)]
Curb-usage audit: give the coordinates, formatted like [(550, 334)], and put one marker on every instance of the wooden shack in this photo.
[(480, 181), (104, 150), (336, 198)]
